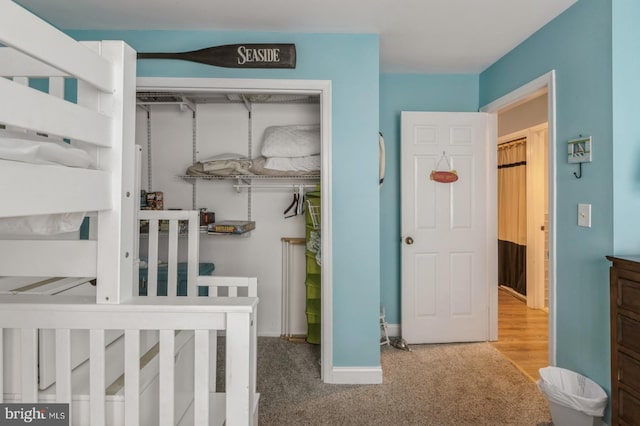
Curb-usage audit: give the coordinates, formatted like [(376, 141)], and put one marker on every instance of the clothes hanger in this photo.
[(300, 209), (293, 205)]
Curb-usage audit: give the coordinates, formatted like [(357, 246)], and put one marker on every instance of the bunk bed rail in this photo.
[(57, 91), (191, 316)]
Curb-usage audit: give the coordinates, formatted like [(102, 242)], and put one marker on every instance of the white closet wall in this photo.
[(224, 128)]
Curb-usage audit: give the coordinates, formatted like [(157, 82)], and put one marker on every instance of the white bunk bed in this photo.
[(120, 377)]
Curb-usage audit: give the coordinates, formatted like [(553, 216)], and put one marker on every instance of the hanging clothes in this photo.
[(512, 215)]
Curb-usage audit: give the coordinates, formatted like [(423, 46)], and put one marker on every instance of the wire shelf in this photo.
[(251, 177)]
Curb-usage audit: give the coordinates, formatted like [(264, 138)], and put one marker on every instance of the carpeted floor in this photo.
[(452, 384)]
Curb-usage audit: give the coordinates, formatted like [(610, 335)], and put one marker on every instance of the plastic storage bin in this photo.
[(574, 400)]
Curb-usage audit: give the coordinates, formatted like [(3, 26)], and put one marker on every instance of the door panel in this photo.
[(445, 290)]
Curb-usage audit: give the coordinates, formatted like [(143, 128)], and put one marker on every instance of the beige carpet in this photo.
[(453, 384)]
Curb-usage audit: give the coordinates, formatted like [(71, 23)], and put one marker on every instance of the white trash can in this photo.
[(574, 400)]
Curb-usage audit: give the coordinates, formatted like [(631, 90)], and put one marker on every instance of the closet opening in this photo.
[(244, 151)]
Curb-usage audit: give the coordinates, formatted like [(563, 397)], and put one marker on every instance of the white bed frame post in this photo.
[(116, 245)]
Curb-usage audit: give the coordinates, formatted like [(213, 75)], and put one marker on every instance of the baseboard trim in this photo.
[(356, 375), (393, 330)]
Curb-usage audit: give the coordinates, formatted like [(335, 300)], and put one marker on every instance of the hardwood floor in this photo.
[(522, 334)]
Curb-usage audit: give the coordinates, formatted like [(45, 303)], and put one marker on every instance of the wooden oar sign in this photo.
[(261, 55)]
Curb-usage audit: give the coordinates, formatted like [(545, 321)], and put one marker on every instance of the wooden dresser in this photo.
[(625, 339)]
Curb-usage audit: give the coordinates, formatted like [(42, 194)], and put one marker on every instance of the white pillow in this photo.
[(309, 163), (297, 140)]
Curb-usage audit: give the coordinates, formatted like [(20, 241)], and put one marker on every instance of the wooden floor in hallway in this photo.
[(522, 334)]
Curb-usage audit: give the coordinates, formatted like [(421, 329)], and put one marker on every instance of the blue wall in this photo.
[(409, 92), (351, 62), (577, 44), (626, 138)]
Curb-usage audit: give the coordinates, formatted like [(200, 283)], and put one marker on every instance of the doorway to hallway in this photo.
[(523, 335)]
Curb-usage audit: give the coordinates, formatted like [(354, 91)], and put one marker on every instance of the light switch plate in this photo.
[(584, 215)]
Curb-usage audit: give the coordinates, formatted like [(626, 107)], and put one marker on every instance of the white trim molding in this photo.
[(393, 330), (544, 83), (356, 375)]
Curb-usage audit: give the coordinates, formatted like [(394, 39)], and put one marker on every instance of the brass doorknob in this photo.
[(408, 240)]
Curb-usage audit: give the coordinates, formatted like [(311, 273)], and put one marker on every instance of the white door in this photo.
[(448, 229)]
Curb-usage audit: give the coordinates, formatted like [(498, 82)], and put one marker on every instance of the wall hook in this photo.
[(578, 176)]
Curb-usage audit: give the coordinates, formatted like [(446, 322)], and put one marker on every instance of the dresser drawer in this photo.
[(628, 370), (628, 408), (628, 294), (628, 334)]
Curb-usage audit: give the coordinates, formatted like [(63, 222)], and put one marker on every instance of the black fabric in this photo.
[(506, 166), (512, 266)]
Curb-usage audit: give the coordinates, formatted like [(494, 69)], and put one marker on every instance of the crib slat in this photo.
[(193, 253), (152, 262), (239, 404), (29, 370), (167, 377), (63, 366), (132, 377), (97, 381), (201, 378), (252, 287), (233, 291), (213, 351), (172, 266)]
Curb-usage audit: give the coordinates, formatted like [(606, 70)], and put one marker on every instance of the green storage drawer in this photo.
[(314, 334), (313, 281), (313, 291), (312, 265), (313, 309)]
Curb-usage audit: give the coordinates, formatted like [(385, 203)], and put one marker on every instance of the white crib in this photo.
[(119, 375)]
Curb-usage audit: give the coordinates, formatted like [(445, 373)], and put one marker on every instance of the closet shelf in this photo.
[(251, 177), (246, 181)]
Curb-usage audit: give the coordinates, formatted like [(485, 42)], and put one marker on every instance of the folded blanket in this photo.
[(258, 167), (237, 166), (222, 165)]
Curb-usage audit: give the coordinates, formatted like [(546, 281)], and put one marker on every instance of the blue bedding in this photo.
[(204, 269)]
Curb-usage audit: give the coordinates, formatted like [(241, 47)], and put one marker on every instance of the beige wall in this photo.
[(523, 116)]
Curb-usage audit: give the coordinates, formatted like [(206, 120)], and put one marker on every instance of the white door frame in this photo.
[(281, 86), (519, 96)]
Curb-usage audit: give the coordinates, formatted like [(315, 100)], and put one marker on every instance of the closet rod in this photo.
[(275, 185), (513, 142)]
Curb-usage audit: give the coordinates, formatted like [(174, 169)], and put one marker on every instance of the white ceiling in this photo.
[(416, 36)]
